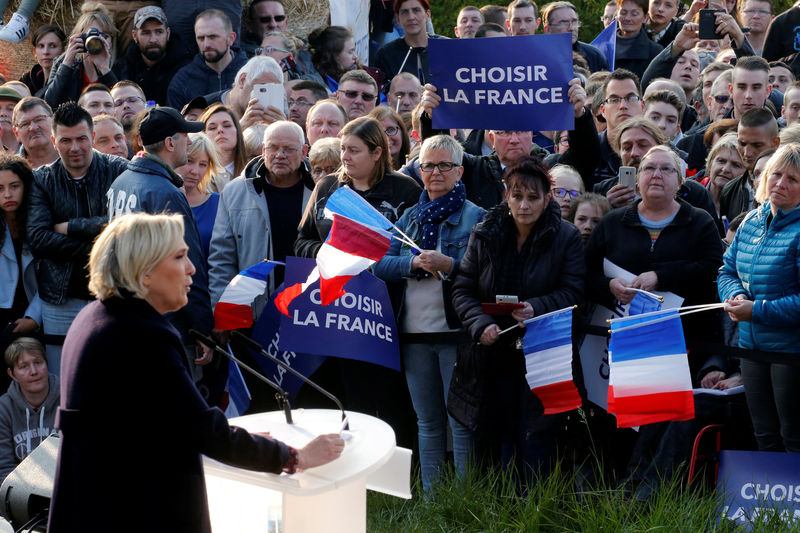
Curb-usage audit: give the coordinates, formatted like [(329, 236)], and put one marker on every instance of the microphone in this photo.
[(250, 343), (281, 395)]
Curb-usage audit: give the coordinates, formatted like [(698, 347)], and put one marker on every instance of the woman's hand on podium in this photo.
[(323, 449)]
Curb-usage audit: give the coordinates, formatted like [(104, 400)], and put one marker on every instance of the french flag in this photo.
[(649, 377), (347, 202), (351, 248), (234, 309), (547, 346)]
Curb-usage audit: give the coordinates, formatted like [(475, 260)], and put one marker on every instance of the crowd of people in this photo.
[(245, 130)]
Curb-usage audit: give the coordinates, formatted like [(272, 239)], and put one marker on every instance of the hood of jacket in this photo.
[(30, 426), (147, 163)]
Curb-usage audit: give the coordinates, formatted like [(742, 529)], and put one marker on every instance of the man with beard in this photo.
[(154, 56), (214, 68), (128, 102)]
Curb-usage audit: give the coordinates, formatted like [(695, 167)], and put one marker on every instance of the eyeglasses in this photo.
[(129, 100), (721, 99), (391, 131), (285, 150), (301, 103), (616, 100), (267, 50), (574, 23), (650, 170), (354, 94), (324, 171), (268, 19), (561, 192), (443, 166), (762, 12), (40, 121)]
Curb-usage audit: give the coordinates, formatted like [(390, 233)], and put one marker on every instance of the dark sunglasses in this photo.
[(268, 19), (721, 99), (354, 94)]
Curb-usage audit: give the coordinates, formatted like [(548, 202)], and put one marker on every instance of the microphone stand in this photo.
[(250, 343), (281, 395)]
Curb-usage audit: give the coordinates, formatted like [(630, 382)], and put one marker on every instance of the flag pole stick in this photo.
[(650, 294), (508, 329), (670, 317)]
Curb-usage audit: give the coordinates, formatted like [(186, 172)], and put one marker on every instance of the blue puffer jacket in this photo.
[(764, 264)]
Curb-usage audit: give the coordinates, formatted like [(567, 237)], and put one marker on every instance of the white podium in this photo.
[(330, 498)]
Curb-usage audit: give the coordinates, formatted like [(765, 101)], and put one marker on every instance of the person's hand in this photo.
[(490, 335), (727, 25), (61, 227), (694, 9), (686, 39), (323, 449), (620, 195), (647, 281), (25, 325), (729, 383), (430, 99), (206, 355), (523, 313), (74, 47), (621, 290), (711, 379), (577, 96), (739, 309), (433, 262)]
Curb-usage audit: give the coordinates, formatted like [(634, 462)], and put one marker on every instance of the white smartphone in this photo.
[(627, 176), (269, 94), (506, 299)]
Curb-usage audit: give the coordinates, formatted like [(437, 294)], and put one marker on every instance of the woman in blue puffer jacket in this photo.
[(760, 284)]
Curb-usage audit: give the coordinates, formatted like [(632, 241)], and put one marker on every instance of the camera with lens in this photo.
[(93, 42)]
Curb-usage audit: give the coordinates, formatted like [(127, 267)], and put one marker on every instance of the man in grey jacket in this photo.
[(259, 211)]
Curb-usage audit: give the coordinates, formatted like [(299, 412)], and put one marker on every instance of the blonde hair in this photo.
[(97, 12), (567, 170), (326, 149), (128, 248), (676, 160), (20, 346), (790, 134), (788, 155), (202, 142)]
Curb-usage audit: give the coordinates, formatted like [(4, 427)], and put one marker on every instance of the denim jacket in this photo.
[(453, 238), (9, 274)]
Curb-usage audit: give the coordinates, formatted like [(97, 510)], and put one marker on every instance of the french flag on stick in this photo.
[(234, 309), (649, 377), (547, 346), (351, 248)]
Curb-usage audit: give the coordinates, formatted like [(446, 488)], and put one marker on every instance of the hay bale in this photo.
[(306, 16)]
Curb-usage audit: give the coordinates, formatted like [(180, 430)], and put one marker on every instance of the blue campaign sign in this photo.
[(509, 83), (359, 325), (759, 483), (266, 333)]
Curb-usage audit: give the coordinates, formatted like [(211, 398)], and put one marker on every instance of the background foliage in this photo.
[(444, 13)]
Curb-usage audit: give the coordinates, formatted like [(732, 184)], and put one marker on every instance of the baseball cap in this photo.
[(159, 123), (7, 93), (143, 14)]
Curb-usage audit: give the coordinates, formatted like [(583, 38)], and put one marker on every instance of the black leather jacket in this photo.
[(55, 197)]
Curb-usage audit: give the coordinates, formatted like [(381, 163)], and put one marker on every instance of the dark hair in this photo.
[(752, 63), (493, 14), (19, 166), (399, 3), (526, 173), (240, 152), (383, 112), (254, 3), (128, 83), (486, 27), (757, 117), (70, 114), (666, 97), (41, 31), (720, 127), (318, 90), (326, 44), (92, 87), (28, 103), (521, 4), (643, 4), (622, 74), (766, 153), (372, 135), (738, 219)]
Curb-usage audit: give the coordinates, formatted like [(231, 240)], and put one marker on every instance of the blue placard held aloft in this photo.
[(506, 83)]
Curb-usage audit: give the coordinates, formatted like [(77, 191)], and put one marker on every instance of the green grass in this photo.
[(489, 503)]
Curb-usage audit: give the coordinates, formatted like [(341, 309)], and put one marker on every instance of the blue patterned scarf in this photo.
[(431, 213)]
